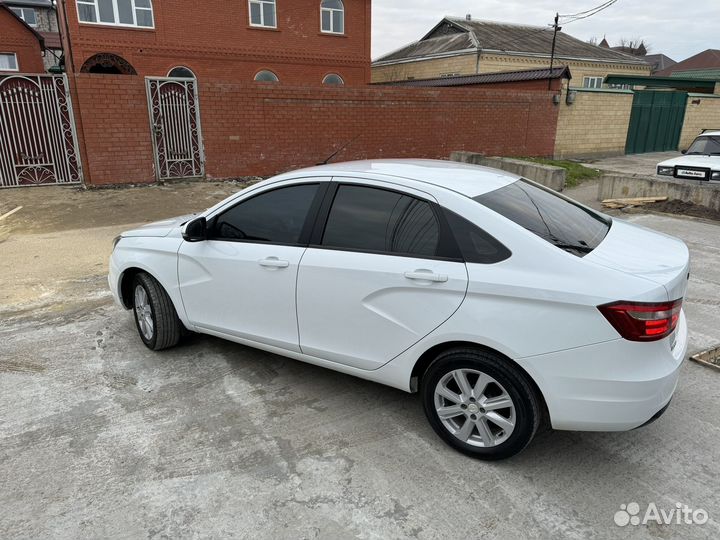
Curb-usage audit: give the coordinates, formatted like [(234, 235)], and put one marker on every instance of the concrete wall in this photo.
[(615, 186), (703, 112), (547, 175), (492, 63), (595, 125)]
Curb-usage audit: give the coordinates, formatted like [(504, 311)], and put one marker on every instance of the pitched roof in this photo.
[(659, 61), (3, 6), (560, 72), (698, 74), (708, 59), (640, 50), (453, 36)]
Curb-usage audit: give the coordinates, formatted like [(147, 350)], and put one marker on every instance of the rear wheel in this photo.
[(480, 404), (155, 316)]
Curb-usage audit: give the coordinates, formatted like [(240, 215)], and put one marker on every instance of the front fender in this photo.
[(157, 257)]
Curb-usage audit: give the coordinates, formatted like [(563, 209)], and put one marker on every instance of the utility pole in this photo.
[(556, 28)]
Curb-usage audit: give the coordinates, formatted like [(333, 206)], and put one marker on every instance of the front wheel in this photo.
[(480, 404), (155, 316)]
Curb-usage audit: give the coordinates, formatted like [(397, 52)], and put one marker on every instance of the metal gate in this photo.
[(38, 144), (656, 121), (175, 123)]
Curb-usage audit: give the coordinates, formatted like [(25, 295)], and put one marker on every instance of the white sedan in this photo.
[(699, 162), (504, 304)]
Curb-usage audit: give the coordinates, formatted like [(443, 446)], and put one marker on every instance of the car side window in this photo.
[(476, 245), (372, 219), (276, 216)]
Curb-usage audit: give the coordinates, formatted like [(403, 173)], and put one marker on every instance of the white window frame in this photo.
[(116, 15), (21, 14), (14, 55), (332, 19), (261, 3), (590, 82)]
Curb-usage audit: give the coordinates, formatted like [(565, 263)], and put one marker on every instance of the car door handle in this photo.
[(426, 275), (273, 262)]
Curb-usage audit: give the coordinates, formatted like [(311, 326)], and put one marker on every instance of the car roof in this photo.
[(466, 179), (710, 134)]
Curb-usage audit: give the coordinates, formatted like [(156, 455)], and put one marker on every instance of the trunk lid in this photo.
[(645, 253)]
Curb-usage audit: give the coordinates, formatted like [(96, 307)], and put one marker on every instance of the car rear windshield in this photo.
[(549, 215)]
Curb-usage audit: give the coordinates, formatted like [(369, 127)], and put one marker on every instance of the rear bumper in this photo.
[(613, 386)]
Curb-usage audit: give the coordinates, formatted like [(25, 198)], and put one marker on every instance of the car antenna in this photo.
[(336, 152)]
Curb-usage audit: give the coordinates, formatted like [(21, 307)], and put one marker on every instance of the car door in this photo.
[(380, 274), (241, 281)]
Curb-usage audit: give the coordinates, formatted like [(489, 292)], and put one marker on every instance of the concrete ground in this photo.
[(100, 437), (642, 164)]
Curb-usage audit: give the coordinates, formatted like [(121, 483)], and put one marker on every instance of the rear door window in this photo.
[(549, 215), (382, 221)]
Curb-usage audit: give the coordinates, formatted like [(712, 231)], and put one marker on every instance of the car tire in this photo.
[(155, 317), (473, 385)]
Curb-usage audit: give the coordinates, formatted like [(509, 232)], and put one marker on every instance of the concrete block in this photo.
[(547, 175), (617, 186)]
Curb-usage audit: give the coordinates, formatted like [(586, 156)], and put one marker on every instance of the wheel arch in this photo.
[(126, 282), (427, 358)]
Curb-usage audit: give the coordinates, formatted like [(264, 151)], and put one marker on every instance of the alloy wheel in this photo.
[(475, 408), (143, 312)]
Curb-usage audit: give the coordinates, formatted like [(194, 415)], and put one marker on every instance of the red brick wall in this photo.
[(265, 130), (215, 40), (111, 115), (261, 129), (16, 38)]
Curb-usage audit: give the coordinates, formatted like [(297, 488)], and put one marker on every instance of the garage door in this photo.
[(656, 121)]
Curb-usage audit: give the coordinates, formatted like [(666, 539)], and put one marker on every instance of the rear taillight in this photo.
[(640, 321)]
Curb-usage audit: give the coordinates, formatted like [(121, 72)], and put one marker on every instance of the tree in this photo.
[(636, 45)]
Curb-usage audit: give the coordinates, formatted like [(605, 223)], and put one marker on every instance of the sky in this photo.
[(677, 29)]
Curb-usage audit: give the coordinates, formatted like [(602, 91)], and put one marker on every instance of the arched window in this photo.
[(181, 71), (266, 76), (332, 16), (109, 64), (333, 79)]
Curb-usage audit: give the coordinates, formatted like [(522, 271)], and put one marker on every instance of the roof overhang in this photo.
[(661, 82), (47, 4), (503, 77), (474, 51)]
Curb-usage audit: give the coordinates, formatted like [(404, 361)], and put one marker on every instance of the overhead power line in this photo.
[(588, 13)]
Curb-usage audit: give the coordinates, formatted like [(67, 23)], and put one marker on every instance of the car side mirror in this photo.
[(683, 151), (196, 230)]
